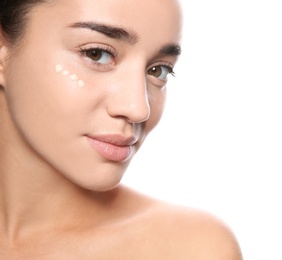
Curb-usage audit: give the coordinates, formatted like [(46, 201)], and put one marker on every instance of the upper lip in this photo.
[(115, 139)]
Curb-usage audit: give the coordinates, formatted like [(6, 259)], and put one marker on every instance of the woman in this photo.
[(82, 85)]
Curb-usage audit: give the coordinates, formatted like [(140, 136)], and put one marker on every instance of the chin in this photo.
[(100, 186), (104, 179)]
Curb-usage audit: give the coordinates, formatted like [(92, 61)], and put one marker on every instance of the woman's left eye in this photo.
[(161, 72), (98, 55)]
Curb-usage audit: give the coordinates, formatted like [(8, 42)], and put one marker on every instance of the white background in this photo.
[(219, 144)]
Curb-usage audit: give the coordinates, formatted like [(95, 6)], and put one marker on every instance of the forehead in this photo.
[(121, 8), (161, 18)]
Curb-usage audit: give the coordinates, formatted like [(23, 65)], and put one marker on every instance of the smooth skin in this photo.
[(59, 197)]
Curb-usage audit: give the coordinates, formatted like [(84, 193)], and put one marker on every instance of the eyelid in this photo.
[(98, 46)]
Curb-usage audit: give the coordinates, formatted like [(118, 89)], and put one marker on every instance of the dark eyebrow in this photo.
[(113, 32), (171, 50)]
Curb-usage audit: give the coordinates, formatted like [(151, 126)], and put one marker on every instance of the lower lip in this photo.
[(110, 151)]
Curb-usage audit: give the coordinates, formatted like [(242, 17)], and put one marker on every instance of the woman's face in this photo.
[(87, 84)]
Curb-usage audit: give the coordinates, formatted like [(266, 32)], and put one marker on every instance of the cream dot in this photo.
[(58, 68), (73, 77), (65, 73), (81, 83)]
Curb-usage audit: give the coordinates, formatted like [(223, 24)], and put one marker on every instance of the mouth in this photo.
[(112, 147)]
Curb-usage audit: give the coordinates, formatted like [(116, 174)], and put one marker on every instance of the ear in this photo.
[(3, 58)]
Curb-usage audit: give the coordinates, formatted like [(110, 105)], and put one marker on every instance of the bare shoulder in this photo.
[(197, 234), (177, 232)]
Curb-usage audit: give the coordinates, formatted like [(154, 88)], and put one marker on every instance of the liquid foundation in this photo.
[(59, 69)]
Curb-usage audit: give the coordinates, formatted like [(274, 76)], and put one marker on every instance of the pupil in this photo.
[(94, 54), (156, 71)]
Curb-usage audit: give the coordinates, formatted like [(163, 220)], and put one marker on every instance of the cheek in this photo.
[(51, 110), (157, 100), (157, 103), (44, 103)]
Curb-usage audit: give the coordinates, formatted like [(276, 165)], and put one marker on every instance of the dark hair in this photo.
[(13, 17)]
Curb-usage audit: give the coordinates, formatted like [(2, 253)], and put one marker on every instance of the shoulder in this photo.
[(178, 232), (198, 234)]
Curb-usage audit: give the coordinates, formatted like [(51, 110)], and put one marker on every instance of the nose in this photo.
[(129, 96)]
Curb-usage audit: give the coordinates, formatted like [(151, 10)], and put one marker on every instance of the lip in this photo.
[(112, 147)]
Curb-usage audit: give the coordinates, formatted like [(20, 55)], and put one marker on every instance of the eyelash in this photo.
[(113, 55)]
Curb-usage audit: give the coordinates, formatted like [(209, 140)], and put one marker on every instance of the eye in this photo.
[(161, 72), (99, 55)]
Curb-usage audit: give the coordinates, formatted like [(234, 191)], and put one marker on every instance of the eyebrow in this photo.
[(171, 50), (120, 33), (113, 32)]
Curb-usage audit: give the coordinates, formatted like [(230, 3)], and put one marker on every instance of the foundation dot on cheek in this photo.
[(73, 77), (81, 83), (58, 68), (65, 73)]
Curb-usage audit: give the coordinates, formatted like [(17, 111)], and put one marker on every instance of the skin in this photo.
[(59, 197)]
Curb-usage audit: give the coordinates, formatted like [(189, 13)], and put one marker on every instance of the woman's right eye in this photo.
[(98, 56)]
